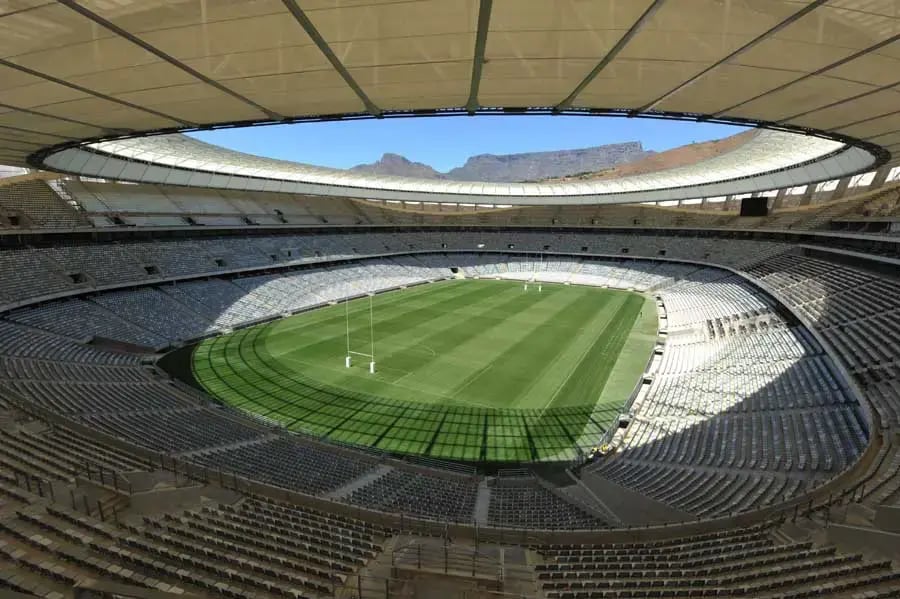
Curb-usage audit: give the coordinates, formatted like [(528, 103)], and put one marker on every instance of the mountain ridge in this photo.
[(513, 168)]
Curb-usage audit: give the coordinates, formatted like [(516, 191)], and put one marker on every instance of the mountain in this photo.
[(674, 158), (535, 166), (531, 166), (395, 164)]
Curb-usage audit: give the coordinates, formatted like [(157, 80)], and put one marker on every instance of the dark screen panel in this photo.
[(755, 207)]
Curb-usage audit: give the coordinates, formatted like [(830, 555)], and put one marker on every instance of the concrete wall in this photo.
[(887, 517), (630, 506), (864, 540), (173, 500)]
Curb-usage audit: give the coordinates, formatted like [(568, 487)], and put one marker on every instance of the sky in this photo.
[(446, 142)]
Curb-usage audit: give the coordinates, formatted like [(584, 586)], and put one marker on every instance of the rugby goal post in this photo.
[(534, 272), (348, 359)]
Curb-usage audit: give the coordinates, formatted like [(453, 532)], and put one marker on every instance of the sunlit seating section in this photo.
[(33, 204), (742, 409)]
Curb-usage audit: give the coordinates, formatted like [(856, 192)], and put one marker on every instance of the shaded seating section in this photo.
[(885, 397), (447, 498), (73, 450), (36, 458), (170, 205), (704, 492), (738, 562), (155, 311), (174, 431), (527, 504), (35, 276), (254, 548), (157, 316), (53, 370), (881, 485), (78, 318), (71, 267), (226, 551), (287, 463), (33, 344), (93, 399), (100, 264), (59, 454), (175, 258)]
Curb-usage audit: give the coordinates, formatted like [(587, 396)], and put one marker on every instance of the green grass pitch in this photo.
[(476, 370)]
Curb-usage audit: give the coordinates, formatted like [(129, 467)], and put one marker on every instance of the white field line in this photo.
[(394, 383)]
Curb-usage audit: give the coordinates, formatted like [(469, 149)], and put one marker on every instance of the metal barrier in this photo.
[(416, 569), (105, 476)]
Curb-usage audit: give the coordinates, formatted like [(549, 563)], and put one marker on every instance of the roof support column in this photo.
[(841, 190), (806, 198), (778, 202), (329, 54), (484, 23), (880, 177)]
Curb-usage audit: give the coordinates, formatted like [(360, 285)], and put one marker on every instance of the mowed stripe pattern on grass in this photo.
[(472, 370)]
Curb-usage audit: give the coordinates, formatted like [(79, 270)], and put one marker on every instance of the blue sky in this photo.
[(446, 142)]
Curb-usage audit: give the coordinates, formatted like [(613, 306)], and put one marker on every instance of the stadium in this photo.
[(229, 375)]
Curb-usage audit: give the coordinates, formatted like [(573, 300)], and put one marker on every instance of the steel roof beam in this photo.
[(752, 43), (91, 92), (839, 102), (484, 22), (329, 54), (59, 118), (865, 120), (126, 35), (815, 73), (613, 52)]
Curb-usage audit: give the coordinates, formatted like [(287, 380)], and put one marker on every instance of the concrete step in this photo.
[(482, 504), (358, 483)]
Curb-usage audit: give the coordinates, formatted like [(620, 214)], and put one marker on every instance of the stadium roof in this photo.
[(94, 69), (769, 160)]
